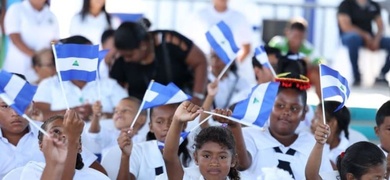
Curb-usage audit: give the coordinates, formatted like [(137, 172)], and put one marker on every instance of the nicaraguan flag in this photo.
[(126, 17), (333, 84), (183, 136), (221, 39), (255, 110), (262, 57), (16, 92), (159, 94), (77, 61)]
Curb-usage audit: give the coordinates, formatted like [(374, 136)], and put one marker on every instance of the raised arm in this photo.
[(55, 151), (314, 162), (212, 89), (96, 115), (126, 145), (244, 157), (187, 111)]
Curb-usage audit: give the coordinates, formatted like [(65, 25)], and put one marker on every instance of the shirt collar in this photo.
[(28, 5), (32, 131)]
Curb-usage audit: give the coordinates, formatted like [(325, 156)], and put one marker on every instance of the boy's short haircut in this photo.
[(107, 34), (382, 113), (297, 23)]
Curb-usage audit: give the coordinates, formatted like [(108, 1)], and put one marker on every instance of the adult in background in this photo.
[(92, 21), (31, 26), (164, 56), (354, 20)]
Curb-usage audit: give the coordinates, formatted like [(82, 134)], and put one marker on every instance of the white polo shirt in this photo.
[(335, 152), (33, 171), (91, 27), (260, 144), (49, 91), (36, 28), (204, 19), (27, 150), (232, 88)]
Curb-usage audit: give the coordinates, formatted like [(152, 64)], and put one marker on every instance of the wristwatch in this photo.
[(198, 95)]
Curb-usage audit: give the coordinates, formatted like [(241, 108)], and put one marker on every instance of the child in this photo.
[(146, 160), (63, 126), (278, 145), (362, 160), (107, 42), (18, 142), (338, 122), (262, 74), (103, 138), (382, 129), (43, 64), (215, 149)]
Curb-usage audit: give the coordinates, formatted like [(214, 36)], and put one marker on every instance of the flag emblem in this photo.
[(75, 63)]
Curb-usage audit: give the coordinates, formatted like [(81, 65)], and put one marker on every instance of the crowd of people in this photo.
[(93, 140)]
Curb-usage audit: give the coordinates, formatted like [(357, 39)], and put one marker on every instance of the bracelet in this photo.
[(198, 95)]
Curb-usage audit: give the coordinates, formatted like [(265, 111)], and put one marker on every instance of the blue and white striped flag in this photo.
[(127, 17), (262, 57), (159, 94), (77, 62), (255, 110), (183, 136), (221, 39), (333, 84), (16, 92)]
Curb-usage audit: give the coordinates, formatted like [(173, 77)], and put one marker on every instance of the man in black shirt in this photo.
[(354, 20), (164, 56)]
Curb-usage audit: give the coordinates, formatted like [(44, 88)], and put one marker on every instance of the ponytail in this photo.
[(79, 162), (234, 174)]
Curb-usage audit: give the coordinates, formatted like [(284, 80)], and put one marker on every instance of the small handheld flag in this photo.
[(126, 17), (255, 110), (333, 84), (159, 94), (221, 39), (18, 94), (76, 61), (262, 57)]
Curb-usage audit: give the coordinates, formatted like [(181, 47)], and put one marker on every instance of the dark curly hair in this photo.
[(222, 136), (79, 161), (359, 158)]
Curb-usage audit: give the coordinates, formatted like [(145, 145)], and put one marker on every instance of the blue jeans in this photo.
[(353, 42)]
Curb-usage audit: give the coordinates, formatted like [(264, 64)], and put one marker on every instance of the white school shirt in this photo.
[(102, 142), (36, 28), (27, 150), (146, 161), (49, 91), (232, 88), (207, 17), (33, 171), (335, 152), (91, 27), (260, 144)]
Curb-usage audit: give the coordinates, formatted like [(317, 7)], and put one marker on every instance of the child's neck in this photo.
[(286, 140), (14, 138)]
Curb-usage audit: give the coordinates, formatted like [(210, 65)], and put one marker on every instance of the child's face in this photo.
[(317, 119), (376, 172), (109, 44), (161, 119), (383, 132), (295, 38), (124, 115), (214, 161), (56, 129), (10, 121), (287, 112), (217, 64), (46, 67)]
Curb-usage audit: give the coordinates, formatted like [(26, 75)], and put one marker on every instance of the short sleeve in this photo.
[(118, 72), (43, 93), (88, 157), (250, 141), (135, 161), (177, 44), (12, 19), (344, 8)]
